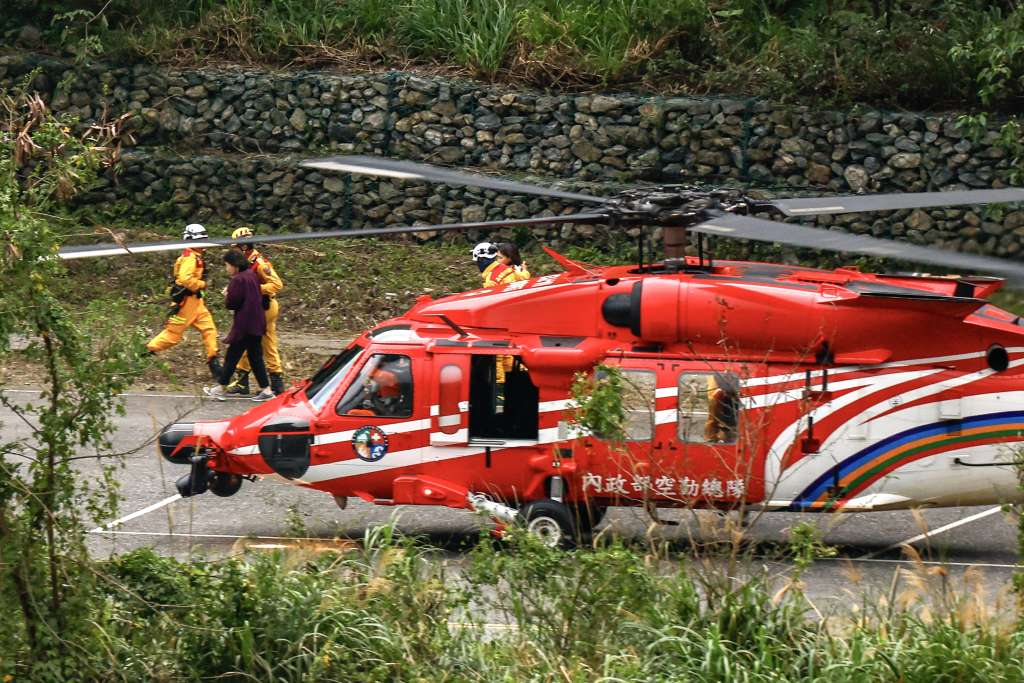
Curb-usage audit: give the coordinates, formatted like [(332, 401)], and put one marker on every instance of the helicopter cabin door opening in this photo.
[(503, 401)]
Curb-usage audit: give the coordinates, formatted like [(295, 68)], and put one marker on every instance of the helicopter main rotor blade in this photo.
[(408, 170), (749, 228), (95, 250), (891, 202)]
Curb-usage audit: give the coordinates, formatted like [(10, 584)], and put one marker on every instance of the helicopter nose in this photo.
[(169, 442)]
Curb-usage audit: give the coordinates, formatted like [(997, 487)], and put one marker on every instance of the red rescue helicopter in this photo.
[(770, 386)]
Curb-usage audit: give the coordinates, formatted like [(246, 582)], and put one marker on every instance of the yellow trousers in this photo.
[(192, 313), (271, 356), (502, 365)]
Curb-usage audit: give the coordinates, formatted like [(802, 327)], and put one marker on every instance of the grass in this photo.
[(394, 610), (897, 53)]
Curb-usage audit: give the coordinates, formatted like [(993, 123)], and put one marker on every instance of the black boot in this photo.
[(240, 385), (215, 368), (277, 383)]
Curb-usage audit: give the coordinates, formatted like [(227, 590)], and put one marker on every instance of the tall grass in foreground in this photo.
[(396, 611)]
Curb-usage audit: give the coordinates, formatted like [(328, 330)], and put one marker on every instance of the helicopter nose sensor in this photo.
[(169, 442)]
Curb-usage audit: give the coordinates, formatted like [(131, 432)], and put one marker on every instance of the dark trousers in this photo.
[(252, 346)]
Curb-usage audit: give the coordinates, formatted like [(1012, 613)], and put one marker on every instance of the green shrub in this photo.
[(474, 33)]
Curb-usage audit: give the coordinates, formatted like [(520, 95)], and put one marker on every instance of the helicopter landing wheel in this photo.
[(549, 521)]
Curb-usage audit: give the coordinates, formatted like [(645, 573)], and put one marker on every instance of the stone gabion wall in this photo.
[(225, 142), (273, 190)]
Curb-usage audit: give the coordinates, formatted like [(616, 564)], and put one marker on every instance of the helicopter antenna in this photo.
[(452, 324)]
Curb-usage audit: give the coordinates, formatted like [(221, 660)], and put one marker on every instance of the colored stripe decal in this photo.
[(868, 465)]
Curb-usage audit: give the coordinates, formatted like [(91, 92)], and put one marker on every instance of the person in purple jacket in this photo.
[(242, 295)]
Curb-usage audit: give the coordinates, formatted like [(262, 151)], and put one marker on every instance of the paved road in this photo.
[(982, 538)]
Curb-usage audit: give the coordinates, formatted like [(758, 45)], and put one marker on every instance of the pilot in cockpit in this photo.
[(384, 389)]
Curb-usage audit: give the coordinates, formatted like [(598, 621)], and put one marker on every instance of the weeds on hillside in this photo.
[(908, 54)]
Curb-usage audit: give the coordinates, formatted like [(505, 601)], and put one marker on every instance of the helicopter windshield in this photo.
[(327, 378)]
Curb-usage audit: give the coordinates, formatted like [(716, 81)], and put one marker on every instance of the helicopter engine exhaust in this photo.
[(672, 311)]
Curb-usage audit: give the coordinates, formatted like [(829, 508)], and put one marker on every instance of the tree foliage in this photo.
[(46, 499)]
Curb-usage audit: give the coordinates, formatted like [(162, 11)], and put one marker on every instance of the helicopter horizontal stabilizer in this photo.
[(763, 230), (571, 267), (890, 202)]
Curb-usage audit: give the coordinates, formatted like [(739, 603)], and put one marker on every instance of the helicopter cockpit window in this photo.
[(709, 407), (322, 385), (382, 389)]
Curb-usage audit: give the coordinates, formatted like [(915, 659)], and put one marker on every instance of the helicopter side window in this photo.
[(638, 388), (382, 389), (501, 410), (708, 407)]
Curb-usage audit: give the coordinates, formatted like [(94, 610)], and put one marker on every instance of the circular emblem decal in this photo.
[(370, 443)]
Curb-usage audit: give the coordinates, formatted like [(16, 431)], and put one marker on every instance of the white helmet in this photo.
[(485, 250), (194, 231)]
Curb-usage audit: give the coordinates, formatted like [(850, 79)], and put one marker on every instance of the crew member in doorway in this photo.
[(270, 285), (723, 409), (485, 255), (188, 308), (514, 267), (499, 265)]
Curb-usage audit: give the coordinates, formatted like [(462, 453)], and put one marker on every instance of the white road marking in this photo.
[(138, 513), (134, 394), (485, 626), (938, 563), (935, 532), (171, 534), (866, 559)]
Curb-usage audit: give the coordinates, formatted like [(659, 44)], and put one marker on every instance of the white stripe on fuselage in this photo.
[(832, 372), (328, 438), (427, 455)]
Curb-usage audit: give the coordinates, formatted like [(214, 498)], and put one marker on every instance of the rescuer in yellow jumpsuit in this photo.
[(507, 267), (187, 300), (270, 285), (500, 265)]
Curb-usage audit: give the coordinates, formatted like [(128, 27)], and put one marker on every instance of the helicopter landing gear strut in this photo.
[(549, 520)]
